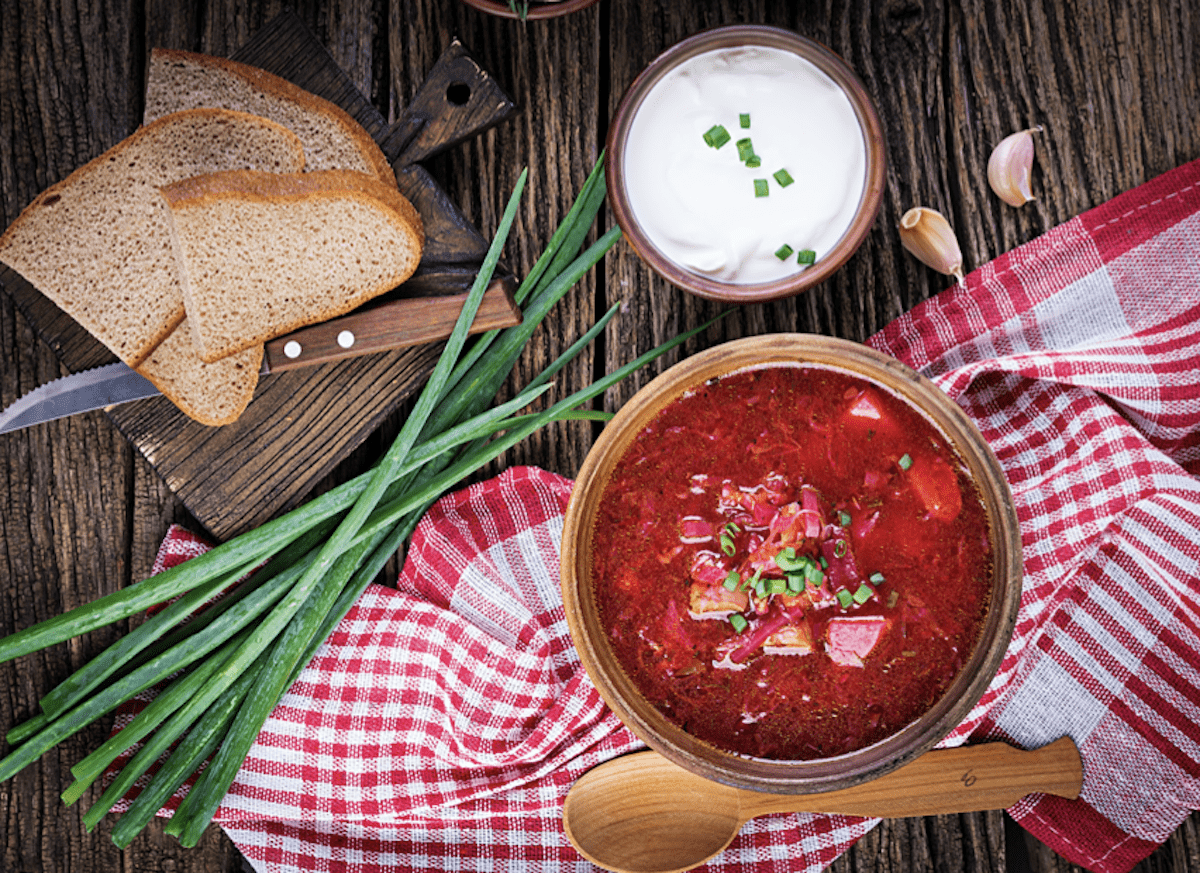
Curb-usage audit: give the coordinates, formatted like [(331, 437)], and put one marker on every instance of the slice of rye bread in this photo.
[(332, 139), (212, 394), (266, 253), (98, 243)]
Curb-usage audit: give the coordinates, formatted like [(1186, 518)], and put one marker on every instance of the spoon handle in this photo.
[(964, 779)]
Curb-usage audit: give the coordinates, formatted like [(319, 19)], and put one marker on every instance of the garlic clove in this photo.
[(928, 236), (1009, 166)]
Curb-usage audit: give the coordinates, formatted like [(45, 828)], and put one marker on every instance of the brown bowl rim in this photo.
[(794, 777), (728, 36), (538, 11)]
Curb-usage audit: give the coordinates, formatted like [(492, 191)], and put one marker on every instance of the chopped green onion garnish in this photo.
[(716, 136), (727, 545), (738, 621), (732, 581), (744, 119), (783, 177), (814, 575), (787, 561), (806, 256), (864, 593), (784, 252), (824, 563), (754, 162), (760, 587), (760, 188), (845, 598), (745, 149), (839, 549), (777, 586), (795, 584), (877, 578), (731, 527), (753, 580), (844, 519), (905, 461)]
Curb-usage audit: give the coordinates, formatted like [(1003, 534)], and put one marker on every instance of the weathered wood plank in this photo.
[(80, 513), (64, 80), (552, 69)]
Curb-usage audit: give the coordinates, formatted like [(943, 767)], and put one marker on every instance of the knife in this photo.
[(394, 324)]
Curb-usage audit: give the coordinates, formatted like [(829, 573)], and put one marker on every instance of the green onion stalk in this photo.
[(221, 666)]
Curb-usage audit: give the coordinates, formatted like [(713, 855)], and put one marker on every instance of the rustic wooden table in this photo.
[(1116, 87)]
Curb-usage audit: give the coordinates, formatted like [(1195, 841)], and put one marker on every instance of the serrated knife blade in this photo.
[(79, 392), (394, 324)]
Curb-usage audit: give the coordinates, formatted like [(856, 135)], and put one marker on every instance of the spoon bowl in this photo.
[(642, 814)]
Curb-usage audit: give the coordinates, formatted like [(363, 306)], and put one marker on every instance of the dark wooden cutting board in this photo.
[(303, 422)]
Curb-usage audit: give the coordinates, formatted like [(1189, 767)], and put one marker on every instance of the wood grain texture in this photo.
[(552, 70), (1115, 86)]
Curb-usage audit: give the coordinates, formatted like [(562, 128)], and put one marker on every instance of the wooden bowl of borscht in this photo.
[(791, 563)]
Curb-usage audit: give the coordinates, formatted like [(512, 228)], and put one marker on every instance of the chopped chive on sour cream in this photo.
[(716, 136)]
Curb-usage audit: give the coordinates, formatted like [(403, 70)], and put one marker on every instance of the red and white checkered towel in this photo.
[(442, 723)]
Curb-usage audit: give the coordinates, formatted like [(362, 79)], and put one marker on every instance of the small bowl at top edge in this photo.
[(620, 692), (734, 36), (537, 9)]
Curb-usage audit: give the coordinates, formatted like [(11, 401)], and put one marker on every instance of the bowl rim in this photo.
[(776, 776), (729, 36), (541, 10)]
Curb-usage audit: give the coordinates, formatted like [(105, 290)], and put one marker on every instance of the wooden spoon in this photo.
[(642, 814)]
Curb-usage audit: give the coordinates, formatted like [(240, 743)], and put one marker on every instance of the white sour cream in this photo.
[(697, 204)]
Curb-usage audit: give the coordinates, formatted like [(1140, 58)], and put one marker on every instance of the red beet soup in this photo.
[(791, 562)]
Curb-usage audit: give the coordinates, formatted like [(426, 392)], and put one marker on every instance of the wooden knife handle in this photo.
[(399, 323)]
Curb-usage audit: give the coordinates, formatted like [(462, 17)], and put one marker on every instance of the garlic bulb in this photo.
[(1008, 167), (928, 236)]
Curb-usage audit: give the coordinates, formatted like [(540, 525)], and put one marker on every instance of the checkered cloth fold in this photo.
[(442, 723)]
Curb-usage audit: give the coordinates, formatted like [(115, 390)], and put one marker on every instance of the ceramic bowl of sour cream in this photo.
[(745, 164)]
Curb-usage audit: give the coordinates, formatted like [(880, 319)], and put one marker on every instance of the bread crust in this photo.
[(249, 184)]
